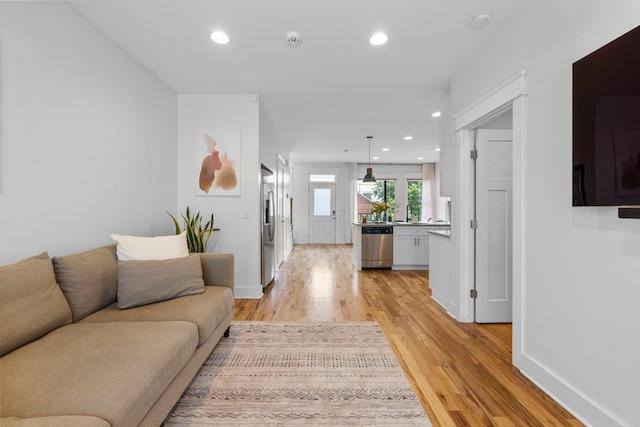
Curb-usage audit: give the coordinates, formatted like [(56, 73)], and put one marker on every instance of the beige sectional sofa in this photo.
[(70, 356)]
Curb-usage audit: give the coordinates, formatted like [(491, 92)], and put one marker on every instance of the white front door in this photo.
[(494, 234), (322, 213)]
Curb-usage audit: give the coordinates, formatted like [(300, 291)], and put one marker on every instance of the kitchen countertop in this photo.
[(443, 233), (403, 224)]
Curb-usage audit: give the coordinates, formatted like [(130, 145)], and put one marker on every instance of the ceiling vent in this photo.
[(293, 37)]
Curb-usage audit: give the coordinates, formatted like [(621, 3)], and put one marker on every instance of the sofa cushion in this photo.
[(114, 371), (145, 282), (31, 302), (151, 248), (206, 310), (88, 279), (59, 421)]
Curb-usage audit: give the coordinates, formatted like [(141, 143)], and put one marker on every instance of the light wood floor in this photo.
[(461, 373)]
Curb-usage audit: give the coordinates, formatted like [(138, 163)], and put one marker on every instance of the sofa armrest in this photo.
[(217, 269)]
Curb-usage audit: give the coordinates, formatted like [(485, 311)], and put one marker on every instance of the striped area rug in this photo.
[(300, 373)]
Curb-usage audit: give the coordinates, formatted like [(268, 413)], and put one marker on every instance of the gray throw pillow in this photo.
[(146, 282), (88, 279), (31, 302)]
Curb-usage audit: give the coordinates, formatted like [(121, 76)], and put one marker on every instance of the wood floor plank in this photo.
[(462, 373)]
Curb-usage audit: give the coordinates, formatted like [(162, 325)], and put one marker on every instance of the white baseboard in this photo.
[(248, 293), (579, 405)]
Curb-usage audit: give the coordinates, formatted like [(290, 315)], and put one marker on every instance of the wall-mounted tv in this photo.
[(606, 124)]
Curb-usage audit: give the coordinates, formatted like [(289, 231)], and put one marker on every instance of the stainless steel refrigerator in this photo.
[(268, 225)]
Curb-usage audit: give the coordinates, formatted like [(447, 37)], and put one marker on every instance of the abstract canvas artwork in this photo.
[(218, 162)]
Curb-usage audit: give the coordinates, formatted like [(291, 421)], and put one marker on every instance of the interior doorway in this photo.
[(510, 95), (493, 225)]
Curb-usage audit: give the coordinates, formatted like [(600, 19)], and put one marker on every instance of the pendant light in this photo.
[(369, 176)]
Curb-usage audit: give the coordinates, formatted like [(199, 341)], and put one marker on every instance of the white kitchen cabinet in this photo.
[(410, 248), (441, 272), (404, 250), (356, 239)]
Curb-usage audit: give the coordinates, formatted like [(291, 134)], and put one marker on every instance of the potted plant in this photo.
[(197, 235)]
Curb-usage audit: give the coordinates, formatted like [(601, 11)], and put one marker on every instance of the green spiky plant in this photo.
[(197, 235)]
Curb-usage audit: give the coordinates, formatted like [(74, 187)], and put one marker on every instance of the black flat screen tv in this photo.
[(606, 124)]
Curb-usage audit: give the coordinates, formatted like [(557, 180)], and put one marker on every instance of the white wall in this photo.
[(581, 265), (447, 159), (271, 143), (238, 217), (442, 202), (441, 268), (87, 143)]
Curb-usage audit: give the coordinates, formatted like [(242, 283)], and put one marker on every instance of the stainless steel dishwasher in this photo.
[(377, 246)]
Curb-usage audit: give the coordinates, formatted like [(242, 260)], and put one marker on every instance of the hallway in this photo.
[(462, 373)]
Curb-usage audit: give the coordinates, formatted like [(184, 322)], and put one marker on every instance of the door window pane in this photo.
[(322, 201), (322, 178)]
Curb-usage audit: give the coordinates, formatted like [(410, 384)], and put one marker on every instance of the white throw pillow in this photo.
[(133, 248)]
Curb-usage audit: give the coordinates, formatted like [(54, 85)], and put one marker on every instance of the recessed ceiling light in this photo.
[(420, 158), (481, 19), (437, 149), (408, 138), (219, 37), (378, 39), (375, 158), (385, 149), (436, 114)]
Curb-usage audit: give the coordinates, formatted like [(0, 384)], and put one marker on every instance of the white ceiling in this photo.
[(327, 94)]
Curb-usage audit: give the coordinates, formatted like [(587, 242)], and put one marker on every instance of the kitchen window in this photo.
[(414, 199), (379, 191)]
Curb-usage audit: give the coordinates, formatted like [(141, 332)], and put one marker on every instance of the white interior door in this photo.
[(322, 213), (494, 233)]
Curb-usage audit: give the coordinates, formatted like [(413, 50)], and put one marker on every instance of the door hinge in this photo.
[(474, 154), (473, 293), (474, 224)]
